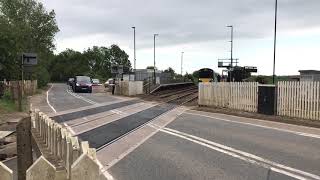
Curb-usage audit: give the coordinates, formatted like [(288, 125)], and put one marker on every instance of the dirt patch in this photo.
[(288, 120)]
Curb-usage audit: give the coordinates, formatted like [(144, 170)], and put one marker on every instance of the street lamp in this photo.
[(154, 57), (231, 51), (182, 63), (134, 47), (275, 42)]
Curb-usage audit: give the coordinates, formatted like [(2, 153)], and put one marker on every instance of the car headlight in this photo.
[(77, 84)]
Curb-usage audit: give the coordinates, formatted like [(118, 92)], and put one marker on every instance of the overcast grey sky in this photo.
[(197, 28)]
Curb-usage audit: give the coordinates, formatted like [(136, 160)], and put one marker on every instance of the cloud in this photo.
[(181, 21), (196, 27)]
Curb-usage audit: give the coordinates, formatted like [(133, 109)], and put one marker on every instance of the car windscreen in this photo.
[(84, 79), (96, 81)]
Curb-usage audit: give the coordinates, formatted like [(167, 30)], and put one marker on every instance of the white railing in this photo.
[(77, 161), (235, 95), (299, 99)]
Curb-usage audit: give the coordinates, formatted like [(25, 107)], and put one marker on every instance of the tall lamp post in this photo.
[(182, 63), (231, 58), (154, 57), (275, 42), (134, 48)]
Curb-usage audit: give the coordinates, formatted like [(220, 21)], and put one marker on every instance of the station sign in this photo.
[(29, 59)]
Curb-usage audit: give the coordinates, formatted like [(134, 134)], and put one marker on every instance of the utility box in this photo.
[(267, 99)]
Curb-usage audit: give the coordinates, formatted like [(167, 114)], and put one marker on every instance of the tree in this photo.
[(95, 62), (171, 71), (151, 67), (25, 26)]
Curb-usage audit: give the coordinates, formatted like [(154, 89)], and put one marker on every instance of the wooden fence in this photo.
[(62, 156), (237, 95), (29, 87), (299, 99)]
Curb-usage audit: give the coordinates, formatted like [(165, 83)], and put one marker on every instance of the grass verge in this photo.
[(7, 106)]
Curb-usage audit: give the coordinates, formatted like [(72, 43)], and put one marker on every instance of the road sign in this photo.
[(114, 69), (120, 69), (29, 59)]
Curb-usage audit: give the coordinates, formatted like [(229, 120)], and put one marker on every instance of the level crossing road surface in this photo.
[(141, 140)]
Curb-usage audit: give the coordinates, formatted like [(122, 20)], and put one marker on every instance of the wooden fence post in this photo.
[(24, 147)]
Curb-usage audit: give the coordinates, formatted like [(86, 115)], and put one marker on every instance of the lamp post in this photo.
[(275, 42), (154, 57), (231, 51), (182, 63), (134, 48)]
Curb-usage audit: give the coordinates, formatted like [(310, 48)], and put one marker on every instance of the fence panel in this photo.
[(240, 96), (299, 99), (5, 172)]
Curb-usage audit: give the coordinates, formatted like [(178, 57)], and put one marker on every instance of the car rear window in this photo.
[(83, 79)]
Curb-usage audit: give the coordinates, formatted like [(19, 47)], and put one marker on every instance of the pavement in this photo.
[(143, 140)]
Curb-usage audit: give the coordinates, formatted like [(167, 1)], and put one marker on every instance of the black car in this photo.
[(82, 84), (70, 81)]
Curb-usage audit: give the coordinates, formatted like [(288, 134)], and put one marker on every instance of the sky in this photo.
[(197, 28)]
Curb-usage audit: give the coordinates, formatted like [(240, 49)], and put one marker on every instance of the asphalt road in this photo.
[(200, 147), (193, 145), (61, 98)]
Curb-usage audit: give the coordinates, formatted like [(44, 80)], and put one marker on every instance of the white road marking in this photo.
[(129, 150), (124, 154), (289, 171), (69, 128), (104, 171), (48, 100), (81, 97), (257, 125)]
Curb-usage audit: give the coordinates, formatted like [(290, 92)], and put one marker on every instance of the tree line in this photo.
[(27, 27)]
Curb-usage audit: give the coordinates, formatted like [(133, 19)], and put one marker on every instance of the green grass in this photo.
[(7, 106)]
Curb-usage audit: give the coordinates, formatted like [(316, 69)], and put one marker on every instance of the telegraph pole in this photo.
[(275, 42)]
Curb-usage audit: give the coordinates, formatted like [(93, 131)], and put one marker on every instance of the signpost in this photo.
[(28, 61)]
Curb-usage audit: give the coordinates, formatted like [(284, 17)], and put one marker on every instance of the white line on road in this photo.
[(257, 125), (80, 97), (48, 100), (69, 128), (289, 171)]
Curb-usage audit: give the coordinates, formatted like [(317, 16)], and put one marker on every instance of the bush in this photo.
[(7, 95), (43, 77)]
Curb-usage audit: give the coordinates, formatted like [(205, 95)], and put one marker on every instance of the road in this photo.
[(147, 140)]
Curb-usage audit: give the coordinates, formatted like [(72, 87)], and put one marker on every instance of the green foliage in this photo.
[(268, 79), (151, 67), (7, 95), (171, 71), (43, 76), (95, 62), (7, 106), (25, 26)]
